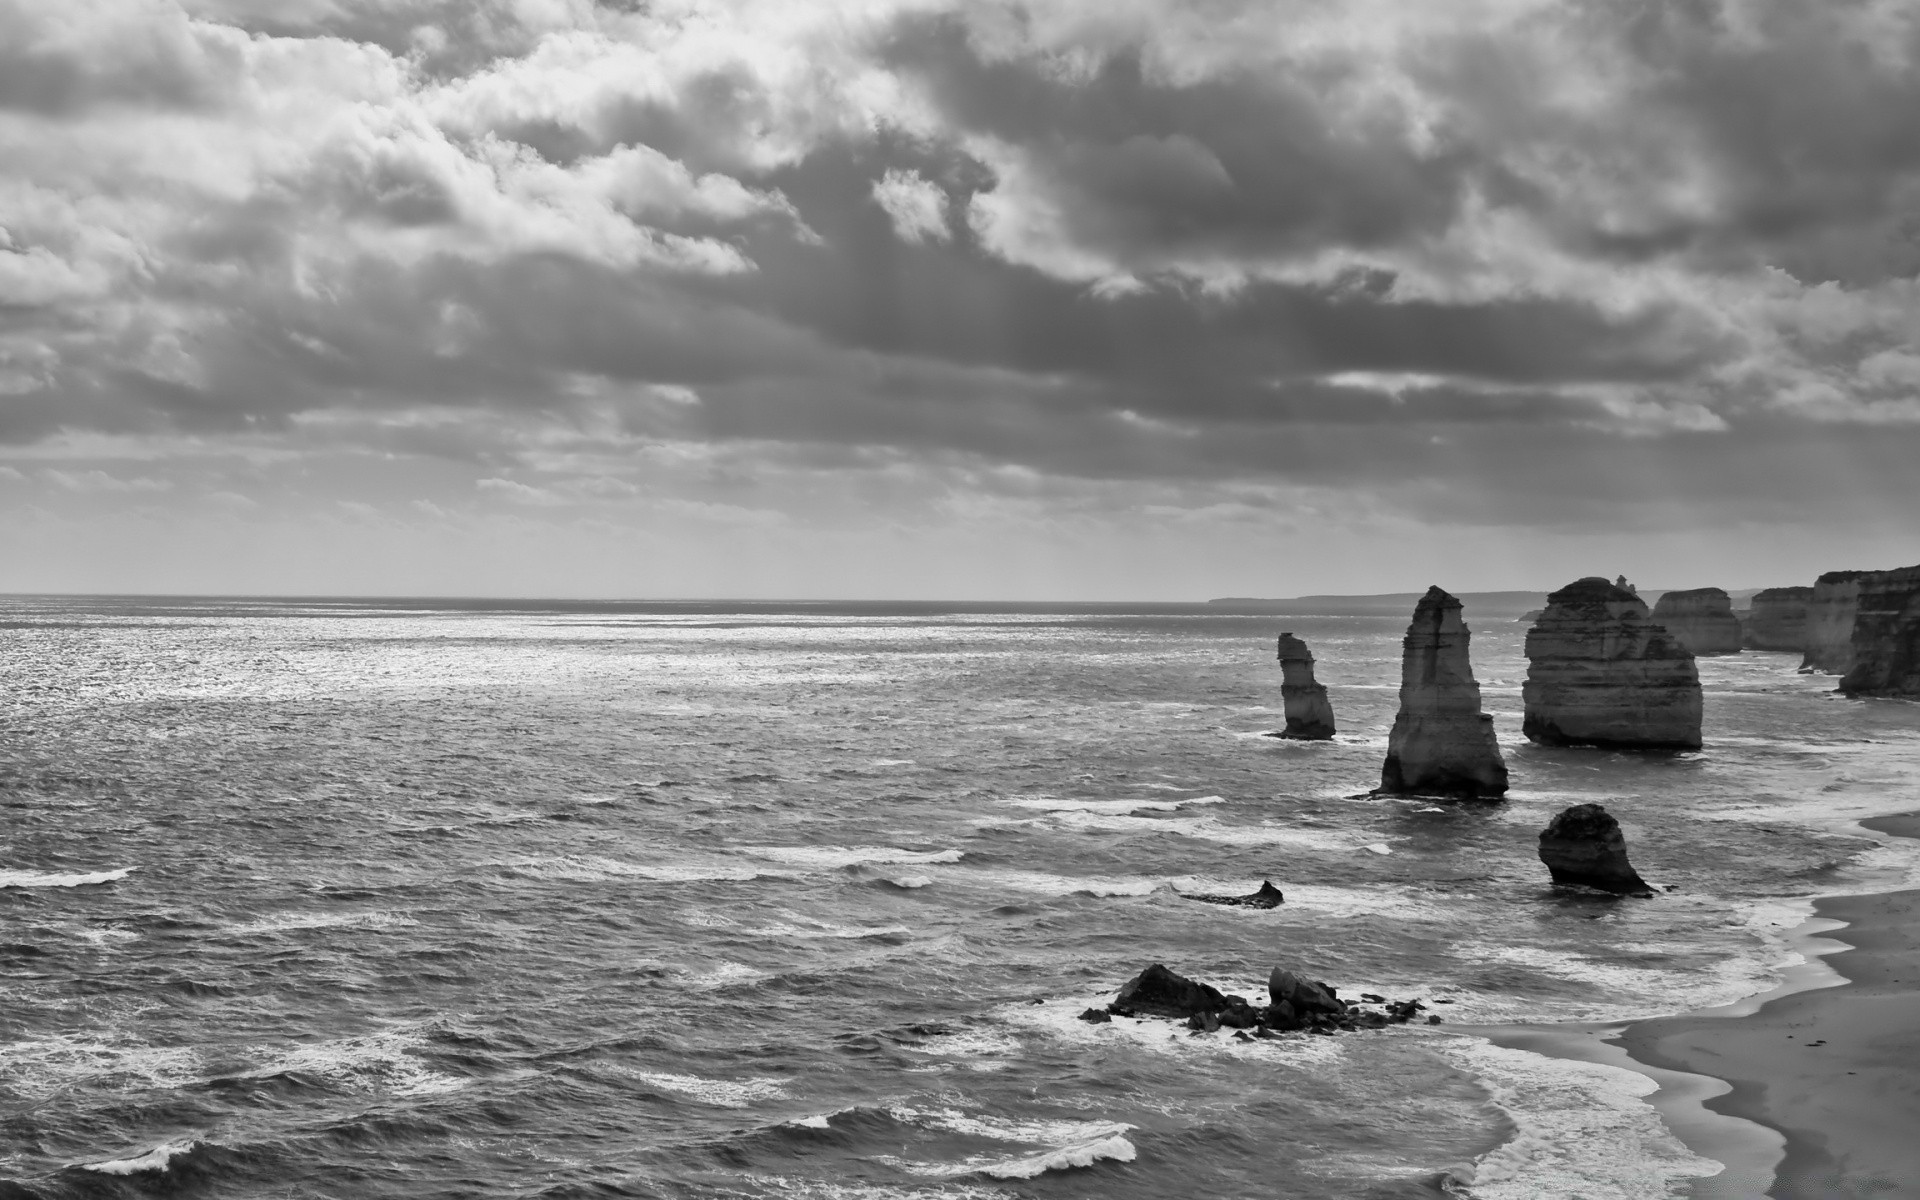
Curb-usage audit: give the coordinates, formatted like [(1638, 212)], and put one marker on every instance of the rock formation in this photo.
[(1701, 618), (1836, 597), (1441, 744), (1886, 636), (1778, 620), (1583, 846), (1296, 1003), (1309, 715), (1600, 672), (1268, 896)]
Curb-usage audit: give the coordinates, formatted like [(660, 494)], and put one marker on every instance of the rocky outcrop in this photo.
[(1309, 715), (1701, 618), (1295, 1003), (1601, 672), (1886, 636), (1836, 597), (1441, 744), (1268, 896), (1583, 847), (1778, 620)]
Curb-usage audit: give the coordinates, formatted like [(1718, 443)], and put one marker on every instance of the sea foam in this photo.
[(29, 879)]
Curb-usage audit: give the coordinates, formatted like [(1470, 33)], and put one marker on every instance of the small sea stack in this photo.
[(1309, 713), (1441, 744), (1583, 847), (1702, 619), (1778, 620), (1830, 613), (1886, 636), (1602, 672), (1265, 896)]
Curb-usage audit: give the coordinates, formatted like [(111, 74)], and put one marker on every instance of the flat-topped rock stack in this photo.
[(1701, 618), (1886, 636), (1830, 611), (1778, 620), (1602, 672), (1441, 744), (1309, 714)]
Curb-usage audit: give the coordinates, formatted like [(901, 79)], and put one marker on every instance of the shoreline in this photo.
[(1804, 1090)]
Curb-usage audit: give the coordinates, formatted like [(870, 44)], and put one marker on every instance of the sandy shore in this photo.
[(1834, 1070)]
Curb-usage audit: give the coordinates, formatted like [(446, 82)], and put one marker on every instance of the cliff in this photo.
[(1886, 636), (1836, 596), (1441, 744), (1778, 620), (1701, 618), (1309, 715), (1601, 672)]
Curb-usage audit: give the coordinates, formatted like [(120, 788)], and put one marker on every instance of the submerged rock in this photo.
[(1583, 846), (1830, 613), (1601, 672), (1702, 619), (1441, 744), (1778, 620), (1309, 714), (1886, 636), (1267, 896)]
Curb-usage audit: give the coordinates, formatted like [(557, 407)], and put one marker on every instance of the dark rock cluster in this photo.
[(1294, 1003)]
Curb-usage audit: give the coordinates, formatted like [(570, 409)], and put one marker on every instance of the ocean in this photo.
[(465, 899)]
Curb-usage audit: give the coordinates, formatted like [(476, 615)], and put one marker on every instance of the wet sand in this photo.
[(1835, 1070)]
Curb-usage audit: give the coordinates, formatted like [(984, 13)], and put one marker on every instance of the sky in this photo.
[(970, 299)]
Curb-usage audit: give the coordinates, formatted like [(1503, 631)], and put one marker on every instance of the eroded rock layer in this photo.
[(1583, 846), (1836, 597), (1701, 618), (1602, 672), (1778, 620), (1441, 744), (1309, 714), (1886, 636)]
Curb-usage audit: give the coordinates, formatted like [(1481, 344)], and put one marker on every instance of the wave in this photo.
[(717, 1093), (27, 879), (155, 1159), (595, 868), (1115, 807), (831, 857), (288, 921), (1066, 1144)]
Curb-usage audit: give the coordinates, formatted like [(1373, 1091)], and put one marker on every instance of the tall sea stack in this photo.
[(1836, 597), (1701, 618), (1886, 636), (1441, 744), (1778, 620), (1309, 715), (1601, 672)]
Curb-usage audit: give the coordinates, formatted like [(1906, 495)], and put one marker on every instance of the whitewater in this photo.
[(436, 899)]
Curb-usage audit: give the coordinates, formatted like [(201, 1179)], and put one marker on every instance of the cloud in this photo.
[(598, 256)]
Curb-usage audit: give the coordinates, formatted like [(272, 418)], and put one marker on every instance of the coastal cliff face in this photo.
[(1309, 714), (1836, 597), (1602, 672), (1886, 636), (1778, 620), (1441, 744), (1701, 618)]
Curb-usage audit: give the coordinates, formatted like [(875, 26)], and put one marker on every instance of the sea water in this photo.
[(334, 899)]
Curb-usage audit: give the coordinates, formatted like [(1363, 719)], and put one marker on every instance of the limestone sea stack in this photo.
[(1701, 618), (1441, 744), (1836, 597), (1886, 636), (1778, 620), (1601, 672), (1309, 715), (1583, 846)]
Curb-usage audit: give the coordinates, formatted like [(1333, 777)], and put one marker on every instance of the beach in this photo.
[(1831, 1069)]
